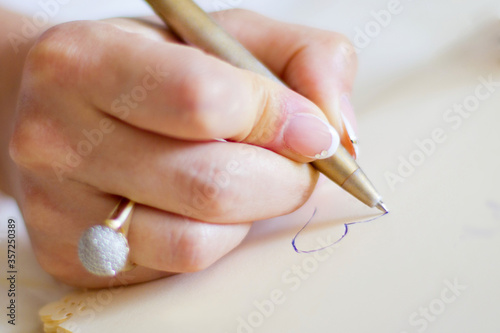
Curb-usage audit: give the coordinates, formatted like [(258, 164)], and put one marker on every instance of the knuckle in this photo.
[(209, 190), (32, 142), (195, 91), (56, 55), (221, 204), (192, 250), (203, 98)]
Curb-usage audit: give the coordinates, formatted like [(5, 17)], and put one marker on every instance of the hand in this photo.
[(121, 108)]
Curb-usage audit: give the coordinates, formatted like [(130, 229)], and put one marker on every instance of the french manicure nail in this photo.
[(310, 136)]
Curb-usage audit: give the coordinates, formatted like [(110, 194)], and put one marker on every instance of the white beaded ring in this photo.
[(103, 249)]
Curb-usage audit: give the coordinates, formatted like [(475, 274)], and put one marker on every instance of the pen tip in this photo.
[(382, 207)]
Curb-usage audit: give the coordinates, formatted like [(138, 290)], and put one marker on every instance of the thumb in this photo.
[(287, 123)]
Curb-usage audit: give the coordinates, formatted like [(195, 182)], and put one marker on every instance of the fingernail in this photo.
[(346, 106), (310, 136)]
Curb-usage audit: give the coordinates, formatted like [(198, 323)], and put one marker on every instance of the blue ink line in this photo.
[(346, 225)]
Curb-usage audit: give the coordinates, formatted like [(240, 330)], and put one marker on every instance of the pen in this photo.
[(191, 24)]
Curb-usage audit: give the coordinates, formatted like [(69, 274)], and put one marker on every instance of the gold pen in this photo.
[(190, 23)]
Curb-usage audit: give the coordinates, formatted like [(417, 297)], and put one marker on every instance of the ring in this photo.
[(103, 249)]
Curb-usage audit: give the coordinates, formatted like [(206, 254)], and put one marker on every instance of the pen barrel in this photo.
[(339, 167), (343, 170)]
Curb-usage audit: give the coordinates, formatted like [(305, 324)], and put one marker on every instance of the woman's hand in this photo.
[(121, 108)]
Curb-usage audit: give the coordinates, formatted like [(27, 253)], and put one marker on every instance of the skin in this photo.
[(196, 196)]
